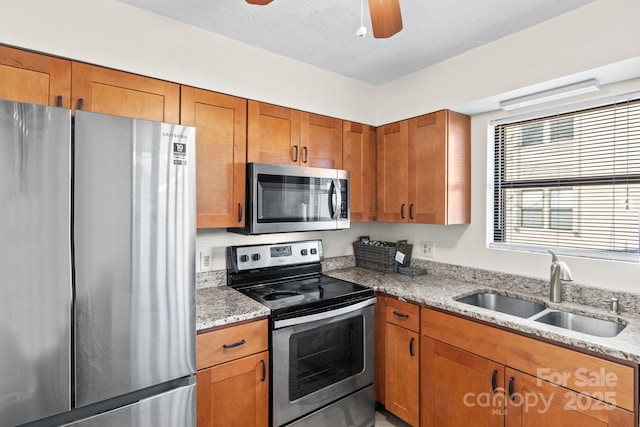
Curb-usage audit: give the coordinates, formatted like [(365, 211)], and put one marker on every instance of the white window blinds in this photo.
[(570, 181)]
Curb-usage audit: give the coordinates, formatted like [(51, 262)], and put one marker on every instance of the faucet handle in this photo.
[(613, 305)]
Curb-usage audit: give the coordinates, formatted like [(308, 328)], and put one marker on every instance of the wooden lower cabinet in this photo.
[(235, 393), (461, 388), (458, 388), (535, 402), (402, 379), (476, 374), (232, 382)]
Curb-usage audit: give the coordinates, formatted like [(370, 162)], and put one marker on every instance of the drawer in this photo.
[(403, 314), (223, 345)]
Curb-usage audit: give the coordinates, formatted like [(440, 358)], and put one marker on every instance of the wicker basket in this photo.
[(381, 258)]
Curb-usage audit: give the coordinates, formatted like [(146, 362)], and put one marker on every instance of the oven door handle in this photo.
[(324, 315)]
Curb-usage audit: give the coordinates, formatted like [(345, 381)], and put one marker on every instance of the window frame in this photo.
[(496, 172)]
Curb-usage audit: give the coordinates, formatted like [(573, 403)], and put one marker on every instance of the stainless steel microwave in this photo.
[(282, 199)]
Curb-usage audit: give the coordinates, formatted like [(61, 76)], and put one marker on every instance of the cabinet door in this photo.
[(107, 91), (33, 78), (221, 143), (459, 388), (235, 393), (535, 402), (393, 172), (402, 361), (320, 141), (273, 134), (439, 168), (358, 157)]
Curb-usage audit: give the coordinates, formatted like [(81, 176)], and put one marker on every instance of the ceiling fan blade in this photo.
[(386, 18), (260, 2)]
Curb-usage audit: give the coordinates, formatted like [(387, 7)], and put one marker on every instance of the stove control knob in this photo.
[(244, 258), (303, 252), (255, 257), (314, 251)]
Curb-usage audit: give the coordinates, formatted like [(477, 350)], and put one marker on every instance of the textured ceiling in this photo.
[(323, 32)]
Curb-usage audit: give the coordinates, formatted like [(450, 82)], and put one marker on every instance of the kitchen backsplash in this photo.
[(572, 292)]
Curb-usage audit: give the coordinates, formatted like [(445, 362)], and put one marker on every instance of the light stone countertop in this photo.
[(222, 305), (441, 292), (218, 305)]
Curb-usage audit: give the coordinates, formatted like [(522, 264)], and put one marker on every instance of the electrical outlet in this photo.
[(205, 257), (428, 249)]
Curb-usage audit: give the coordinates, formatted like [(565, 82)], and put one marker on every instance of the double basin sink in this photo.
[(541, 313)]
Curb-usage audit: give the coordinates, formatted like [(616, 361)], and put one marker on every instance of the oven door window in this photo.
[(295, 199), (326, 355)]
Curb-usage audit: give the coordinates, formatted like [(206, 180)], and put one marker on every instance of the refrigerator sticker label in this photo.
[(179, 153)]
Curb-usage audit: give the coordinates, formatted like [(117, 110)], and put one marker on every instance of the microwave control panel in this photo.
[(272, 255)]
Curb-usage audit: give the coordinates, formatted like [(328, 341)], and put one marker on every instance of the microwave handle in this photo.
[(334, 211)]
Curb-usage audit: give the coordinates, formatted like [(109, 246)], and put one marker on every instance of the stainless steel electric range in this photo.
[(321, 334)]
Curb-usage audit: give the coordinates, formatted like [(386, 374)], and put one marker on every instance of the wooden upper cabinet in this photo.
[(440, 168), (320, 141), (359, 158), (424, 169), (221, 147), (393, 172), (34, 78), (273, 134), (108, 91), (286, 136)]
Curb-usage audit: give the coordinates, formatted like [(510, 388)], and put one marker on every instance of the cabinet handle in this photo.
[(411, 346), (411, 211), (511, 393), (494, 381), (397, 313), (235, 344), (402, 211), (80, 104), (239, 212), (264, 370), (295, 153), (59, 101), (306, 154)]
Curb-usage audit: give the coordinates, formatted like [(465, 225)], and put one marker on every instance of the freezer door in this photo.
[(35, 262), (134, 235), (176, 408)]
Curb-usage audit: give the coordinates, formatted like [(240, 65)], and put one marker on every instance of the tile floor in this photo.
[(386, 419)]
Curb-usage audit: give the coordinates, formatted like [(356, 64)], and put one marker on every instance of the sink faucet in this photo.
[(559, 271)]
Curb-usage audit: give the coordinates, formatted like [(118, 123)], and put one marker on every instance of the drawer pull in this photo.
[(411, 211), (59, 101), (402, 315), (239, 212), (494, 381), (235, 344), (402, 211), (264, 370), (295, 156), (411, 346), (511, 393)]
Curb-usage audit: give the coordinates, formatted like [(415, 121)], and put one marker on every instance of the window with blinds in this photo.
[(571, 182)]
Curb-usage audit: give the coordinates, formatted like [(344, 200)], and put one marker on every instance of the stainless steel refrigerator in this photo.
[(97, 280)]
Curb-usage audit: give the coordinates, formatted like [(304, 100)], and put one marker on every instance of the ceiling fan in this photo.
[(386, 18)]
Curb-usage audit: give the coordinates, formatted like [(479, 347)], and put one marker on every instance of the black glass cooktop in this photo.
[(300, 297)]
